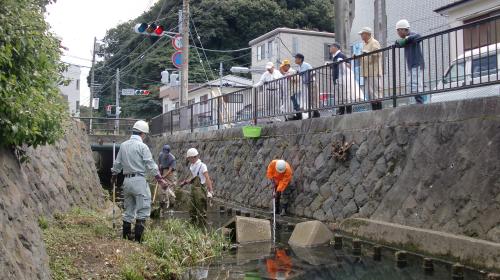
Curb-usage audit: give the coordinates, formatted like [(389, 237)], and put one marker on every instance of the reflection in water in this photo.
[(280, 266), (267, 261)]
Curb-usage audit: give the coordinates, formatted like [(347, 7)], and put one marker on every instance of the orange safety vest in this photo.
[(280, 179)]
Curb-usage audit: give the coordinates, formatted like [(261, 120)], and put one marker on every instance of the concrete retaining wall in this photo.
[(56, 178), (435, 166)]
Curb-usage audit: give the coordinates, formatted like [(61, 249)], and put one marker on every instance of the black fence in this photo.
[(454, 64), (106, 126)]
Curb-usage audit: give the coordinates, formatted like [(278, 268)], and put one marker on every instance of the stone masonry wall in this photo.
[(57, 178), (435, 166)]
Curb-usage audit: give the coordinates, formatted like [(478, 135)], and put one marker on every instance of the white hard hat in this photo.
[(404, 24), (281, 166), (365, 30), (192, 152), (141, 126), (269, 65)]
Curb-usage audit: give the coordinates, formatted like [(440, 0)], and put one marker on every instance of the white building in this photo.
[(469, 11), (284, 43), (71, 91)]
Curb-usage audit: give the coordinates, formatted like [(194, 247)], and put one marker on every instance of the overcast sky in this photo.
[(77, 22)]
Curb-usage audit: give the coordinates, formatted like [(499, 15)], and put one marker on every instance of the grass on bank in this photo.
[(81, 244)]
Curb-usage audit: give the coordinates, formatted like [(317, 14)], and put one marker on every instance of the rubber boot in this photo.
[(139, 229), (127, 230)]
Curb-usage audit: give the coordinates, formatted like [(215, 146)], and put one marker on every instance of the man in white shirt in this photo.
[(307, 79), (270, 91)]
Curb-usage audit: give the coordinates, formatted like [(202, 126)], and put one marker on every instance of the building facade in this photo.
[(71, 90), (202, 92), (284, 43)]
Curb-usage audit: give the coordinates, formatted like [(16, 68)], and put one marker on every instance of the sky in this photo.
[(77, 22)]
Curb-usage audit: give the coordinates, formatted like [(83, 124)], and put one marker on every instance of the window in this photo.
[(455, 73), (177, 105), (326, 52), (269, 49), (78, 106), (191, 101), (484, 66), (233, 98), (295, 45), (78, 84), (260, 52), (204, 99)]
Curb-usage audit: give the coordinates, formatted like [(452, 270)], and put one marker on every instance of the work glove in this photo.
[(209, 194), (113, 179), (401, 42), (161, 181), (170, 192)]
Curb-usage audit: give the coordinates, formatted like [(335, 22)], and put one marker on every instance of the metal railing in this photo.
[(105, 126), (438, 67)]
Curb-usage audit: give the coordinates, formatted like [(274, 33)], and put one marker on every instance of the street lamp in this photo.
[(244, 70)]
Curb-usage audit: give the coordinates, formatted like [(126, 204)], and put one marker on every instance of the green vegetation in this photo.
[(31, 109), (82, 244), (221, 24)]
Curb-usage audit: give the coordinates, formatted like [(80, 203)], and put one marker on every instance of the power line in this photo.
[(222, 51)]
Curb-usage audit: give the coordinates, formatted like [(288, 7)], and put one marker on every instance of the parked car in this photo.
[(477, 66)]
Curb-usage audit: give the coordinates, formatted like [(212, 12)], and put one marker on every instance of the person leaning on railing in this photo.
[(414, 57), (337, 57), (371, 68), (271, 89), (290, 88)]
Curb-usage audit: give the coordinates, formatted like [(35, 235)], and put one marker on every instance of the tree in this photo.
[(31, 110), (221, 24)]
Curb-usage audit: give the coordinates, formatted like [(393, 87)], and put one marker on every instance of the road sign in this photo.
[(177, 59), (177, 42), (128, 91)]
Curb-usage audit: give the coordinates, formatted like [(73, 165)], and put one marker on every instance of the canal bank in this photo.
[(432, 167)]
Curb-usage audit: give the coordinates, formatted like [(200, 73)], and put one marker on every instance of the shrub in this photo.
[(31, 109)]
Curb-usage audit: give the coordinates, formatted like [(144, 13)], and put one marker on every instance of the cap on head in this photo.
[(285, 62), (281, 166), (141, 126), (365, 30), (192, 153), (166, 148), (299, 55), (402, 24), (269, 65)]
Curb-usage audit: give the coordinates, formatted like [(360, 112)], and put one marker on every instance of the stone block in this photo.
[(250, 229), (310, 234)]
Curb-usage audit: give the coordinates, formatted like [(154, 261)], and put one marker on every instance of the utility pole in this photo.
[(92, 81), (185, 52), (117, 107)]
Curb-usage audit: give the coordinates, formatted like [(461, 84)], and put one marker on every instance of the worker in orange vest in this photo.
[(280, 173)]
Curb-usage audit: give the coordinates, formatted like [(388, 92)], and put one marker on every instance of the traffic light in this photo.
[(149, 29), (142, 92)]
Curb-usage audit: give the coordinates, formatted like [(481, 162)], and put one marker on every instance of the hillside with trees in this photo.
[(215, 24)]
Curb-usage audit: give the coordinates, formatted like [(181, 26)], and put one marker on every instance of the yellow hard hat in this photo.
[(285, 62)]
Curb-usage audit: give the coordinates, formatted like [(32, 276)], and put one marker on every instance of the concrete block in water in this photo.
[(249, 229), (310, 234)]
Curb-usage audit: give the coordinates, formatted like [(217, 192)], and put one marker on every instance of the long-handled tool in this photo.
[(154, 194), (114, 186), (274, 214)]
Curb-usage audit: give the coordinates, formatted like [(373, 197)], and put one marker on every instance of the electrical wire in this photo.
[(223, 51), (201, 45)]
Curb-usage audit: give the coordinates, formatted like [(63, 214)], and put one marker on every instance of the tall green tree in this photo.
[(220, 24)]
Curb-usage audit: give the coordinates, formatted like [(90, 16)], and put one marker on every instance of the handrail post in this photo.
[(254, 107), (191, 120), (218, 112), (171, 122), (309, 93), (394, 92)]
